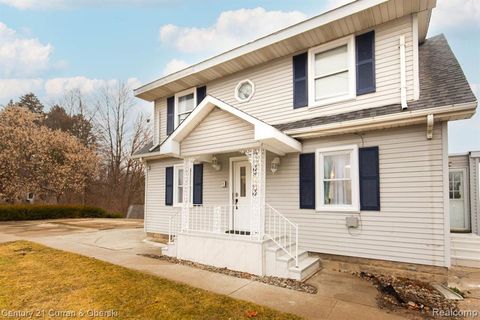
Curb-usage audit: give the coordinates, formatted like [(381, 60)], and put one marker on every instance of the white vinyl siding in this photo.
[(273, 98), (219, 132), (410, 225)]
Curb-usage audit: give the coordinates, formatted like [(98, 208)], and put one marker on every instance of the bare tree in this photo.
[(119, 137)]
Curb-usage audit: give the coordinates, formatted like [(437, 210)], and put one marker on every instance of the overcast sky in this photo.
[(48, 46)]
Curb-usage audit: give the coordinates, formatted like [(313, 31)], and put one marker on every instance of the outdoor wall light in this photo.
[(275, 164), (215, 164)]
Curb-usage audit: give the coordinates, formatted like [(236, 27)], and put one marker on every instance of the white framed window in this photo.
[(244, 90), (337, 181), (185, 102), (178, 185), (331, 72)]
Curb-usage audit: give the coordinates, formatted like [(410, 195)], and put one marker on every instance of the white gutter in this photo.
[(459, 111), (403, 74)]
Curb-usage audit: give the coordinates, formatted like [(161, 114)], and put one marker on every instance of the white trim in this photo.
[(182, 94), (403, 73), (177, 167), (286, 33), (230, 179), (466, 198), (450, 112), (319, 196), (349, 41), (446, 198), (238, 87), (145, 207), (416, 72), (263, 133)]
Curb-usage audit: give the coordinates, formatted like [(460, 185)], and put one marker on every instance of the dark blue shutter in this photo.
[(170, 115), (198, 183), (307, 181), (365, 60), (369, 179), (300, 80), (201, 94), (169, 186)]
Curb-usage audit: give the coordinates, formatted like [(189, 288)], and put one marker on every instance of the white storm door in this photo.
[(459, 213), (241, 196)]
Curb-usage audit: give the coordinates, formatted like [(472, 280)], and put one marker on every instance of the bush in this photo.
[(39, 212)]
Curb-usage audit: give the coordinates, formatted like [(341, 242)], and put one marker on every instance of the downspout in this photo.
[(403, 74)]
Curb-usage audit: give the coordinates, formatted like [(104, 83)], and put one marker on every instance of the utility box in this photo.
[(351, 222)]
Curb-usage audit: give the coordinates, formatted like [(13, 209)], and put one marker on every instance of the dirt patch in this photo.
[(416, 297), (275, 281), (23, 251)]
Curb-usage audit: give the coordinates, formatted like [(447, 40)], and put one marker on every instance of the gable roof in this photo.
[(336, 23), (265, 134), (442, 83)]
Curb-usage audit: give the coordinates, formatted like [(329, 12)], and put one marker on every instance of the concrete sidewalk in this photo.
[(340, 296)]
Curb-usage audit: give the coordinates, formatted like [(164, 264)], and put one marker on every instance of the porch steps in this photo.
[(465, 250), (170, 250), (279, 264)]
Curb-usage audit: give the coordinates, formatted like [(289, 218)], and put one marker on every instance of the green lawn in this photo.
[(40, 279)]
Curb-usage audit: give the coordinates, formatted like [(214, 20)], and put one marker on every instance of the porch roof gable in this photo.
[(266, 135)]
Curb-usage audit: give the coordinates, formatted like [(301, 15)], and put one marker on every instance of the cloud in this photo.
[(332, 4), (59, 86), (174, 65), (20, 56), (231, 29), (65, 4), (456, 14), (11, 89), (460, 132)]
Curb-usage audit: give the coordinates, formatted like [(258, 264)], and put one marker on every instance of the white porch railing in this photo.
[(282, 231), (174, 224), (224, 220)]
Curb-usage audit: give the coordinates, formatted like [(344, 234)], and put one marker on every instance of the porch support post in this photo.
[(257, 159), (187, 185)]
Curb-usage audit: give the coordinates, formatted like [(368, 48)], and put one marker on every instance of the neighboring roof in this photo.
[(264, 134), (341, 21), (145, 149), (442, 83)]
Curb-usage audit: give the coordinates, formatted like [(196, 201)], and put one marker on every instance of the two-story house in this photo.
[(327, 137)]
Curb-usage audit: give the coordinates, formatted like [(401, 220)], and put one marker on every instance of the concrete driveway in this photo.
[(340, 296)]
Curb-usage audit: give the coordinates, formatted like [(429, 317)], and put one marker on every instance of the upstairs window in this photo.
[(185, 102), (332, 72)]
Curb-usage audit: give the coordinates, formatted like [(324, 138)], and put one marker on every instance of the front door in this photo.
[(241, 212), (459, 210)]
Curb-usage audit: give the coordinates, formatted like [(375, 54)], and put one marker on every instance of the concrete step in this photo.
[(289, 261), (170, 250), (305, 269), (274, 248)]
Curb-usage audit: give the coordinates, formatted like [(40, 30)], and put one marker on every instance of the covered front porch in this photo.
[(222, 218), (236, 230)]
